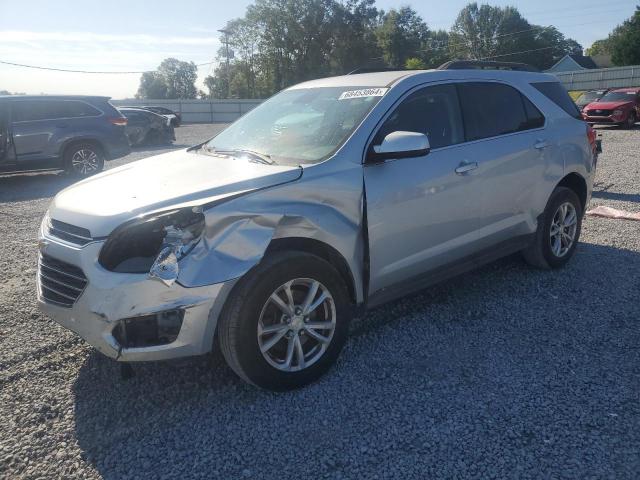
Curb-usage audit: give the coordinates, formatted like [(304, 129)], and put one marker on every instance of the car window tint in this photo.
[(30, 110), (434, 111), (491, 109), (555, 92), (535, 118)]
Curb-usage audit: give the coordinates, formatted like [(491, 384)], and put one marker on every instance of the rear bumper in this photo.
[(109, 298)]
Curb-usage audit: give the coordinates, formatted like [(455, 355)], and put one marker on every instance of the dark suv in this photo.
[(73, 133)]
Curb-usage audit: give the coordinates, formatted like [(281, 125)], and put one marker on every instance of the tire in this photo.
[(83, 159), (543, 252), (631, 121), (250, 305)]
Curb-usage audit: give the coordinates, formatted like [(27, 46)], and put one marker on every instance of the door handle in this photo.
[(540, 144), (62, 125), (466, 167)]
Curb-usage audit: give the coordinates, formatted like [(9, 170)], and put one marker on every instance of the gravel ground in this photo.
[(504, 372)]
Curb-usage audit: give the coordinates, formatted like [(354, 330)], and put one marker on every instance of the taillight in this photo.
[(121, 121)]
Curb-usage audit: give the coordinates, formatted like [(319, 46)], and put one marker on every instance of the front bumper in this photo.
[(610, 119), (109, 298)]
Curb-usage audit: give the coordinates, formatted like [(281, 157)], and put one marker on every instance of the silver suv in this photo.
[(331, 197)]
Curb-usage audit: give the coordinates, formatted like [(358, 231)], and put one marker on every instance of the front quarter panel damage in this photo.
[(324, 205)]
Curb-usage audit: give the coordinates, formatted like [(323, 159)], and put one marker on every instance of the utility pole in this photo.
[(225, 32)]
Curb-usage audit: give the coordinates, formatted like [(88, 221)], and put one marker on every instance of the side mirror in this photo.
[(400, 145)]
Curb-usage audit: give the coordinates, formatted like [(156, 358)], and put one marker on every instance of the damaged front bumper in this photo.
[(112, 304)]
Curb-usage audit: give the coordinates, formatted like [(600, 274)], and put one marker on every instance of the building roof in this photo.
[(584, 62)]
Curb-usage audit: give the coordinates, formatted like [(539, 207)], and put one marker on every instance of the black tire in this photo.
[(540, 253), (83, 159), (631, 121), (238, 323)]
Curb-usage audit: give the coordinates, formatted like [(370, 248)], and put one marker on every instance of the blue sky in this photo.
[(118, 35)]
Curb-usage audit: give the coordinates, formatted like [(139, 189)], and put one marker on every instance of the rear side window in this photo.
[(555, 92), (31, 110), (491, 109), (433, 111)]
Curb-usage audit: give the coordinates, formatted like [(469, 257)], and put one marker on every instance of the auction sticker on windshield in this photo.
[(366, 92)]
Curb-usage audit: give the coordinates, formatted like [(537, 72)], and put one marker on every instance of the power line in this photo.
[(37, 67), (516, 53)]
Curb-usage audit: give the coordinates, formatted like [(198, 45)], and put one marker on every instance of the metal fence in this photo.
[(199, 111), (617, 77)]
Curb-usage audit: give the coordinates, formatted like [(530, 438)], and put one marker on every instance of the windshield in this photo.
[(589, 97), (618, 97), (297, 126)]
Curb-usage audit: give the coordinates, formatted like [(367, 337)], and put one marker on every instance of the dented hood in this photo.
[(606, 105), (103, 202)]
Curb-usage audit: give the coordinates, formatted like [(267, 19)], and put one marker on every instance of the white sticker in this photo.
[(366, 92)]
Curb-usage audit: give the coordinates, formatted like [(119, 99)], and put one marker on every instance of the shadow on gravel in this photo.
[(623, 197), (503, 370), (20, 187)]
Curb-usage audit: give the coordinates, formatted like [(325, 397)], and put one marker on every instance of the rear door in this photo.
[(33, 129), (507, 133)]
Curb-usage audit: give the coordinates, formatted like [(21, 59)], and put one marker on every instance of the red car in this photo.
[(620, 106)]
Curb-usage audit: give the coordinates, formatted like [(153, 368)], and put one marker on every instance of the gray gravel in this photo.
[(504, 372)]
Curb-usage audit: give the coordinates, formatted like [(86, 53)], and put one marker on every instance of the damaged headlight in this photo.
[(153, 244)]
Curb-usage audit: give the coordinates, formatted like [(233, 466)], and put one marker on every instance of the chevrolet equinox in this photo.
[(331, 197)]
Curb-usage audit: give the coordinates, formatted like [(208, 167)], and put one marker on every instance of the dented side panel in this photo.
[(326, 205)]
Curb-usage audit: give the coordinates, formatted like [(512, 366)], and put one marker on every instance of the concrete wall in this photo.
[(617, 77), (199, 111)]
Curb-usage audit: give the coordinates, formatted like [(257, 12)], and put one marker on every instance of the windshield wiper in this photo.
[(256, 156)]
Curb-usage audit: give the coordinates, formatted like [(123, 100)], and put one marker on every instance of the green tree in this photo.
[(401, 35), (152, 86), (624, 41), (414, 63), (599, 47), (173, 79)]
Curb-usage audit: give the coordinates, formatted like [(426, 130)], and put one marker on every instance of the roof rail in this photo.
[(484, 65), (375, 69)]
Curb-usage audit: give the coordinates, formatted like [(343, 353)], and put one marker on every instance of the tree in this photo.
[(173, 79), (599, 47), (152, 86), (624, 41), (401, 35), (414, 63)]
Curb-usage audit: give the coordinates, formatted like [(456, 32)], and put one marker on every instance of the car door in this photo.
[(33, 129), (510, 144), (5, 139), (421, 213)]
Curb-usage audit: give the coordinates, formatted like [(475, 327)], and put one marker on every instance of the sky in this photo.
[(132, 35)]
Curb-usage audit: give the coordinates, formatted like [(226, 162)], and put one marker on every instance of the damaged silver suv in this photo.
[(331, 197)]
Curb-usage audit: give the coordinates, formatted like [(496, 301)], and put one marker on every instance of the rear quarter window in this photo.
[(555, 92)]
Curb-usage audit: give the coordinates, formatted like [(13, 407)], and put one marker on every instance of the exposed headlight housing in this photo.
[(618, 113), (142, 244)]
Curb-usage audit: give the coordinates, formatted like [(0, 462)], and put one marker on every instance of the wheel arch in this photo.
[(79, 140), (576, 182), (322, 250)]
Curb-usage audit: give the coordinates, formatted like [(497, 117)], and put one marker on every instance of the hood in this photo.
[(606, 105), (103, 202)]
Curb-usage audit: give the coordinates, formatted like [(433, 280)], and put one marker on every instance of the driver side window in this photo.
[(433, 111)]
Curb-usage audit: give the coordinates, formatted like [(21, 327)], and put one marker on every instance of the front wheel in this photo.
[(558, 231), (286, 322), (83, 160), (631, 121)]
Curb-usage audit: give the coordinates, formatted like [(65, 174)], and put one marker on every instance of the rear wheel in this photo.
[(285, 322), (558, 231), (83, 159)]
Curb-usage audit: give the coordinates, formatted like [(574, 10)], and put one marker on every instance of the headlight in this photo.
[(136, 246), (617, 113)]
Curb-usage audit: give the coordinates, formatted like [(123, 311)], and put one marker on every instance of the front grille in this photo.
[(60, 282), (599, 113), (69, 233)]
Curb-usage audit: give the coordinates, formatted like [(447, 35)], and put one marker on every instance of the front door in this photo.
[(421, 212)]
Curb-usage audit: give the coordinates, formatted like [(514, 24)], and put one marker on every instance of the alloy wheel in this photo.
[(296, 324), (563, 229), (85, 161)]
